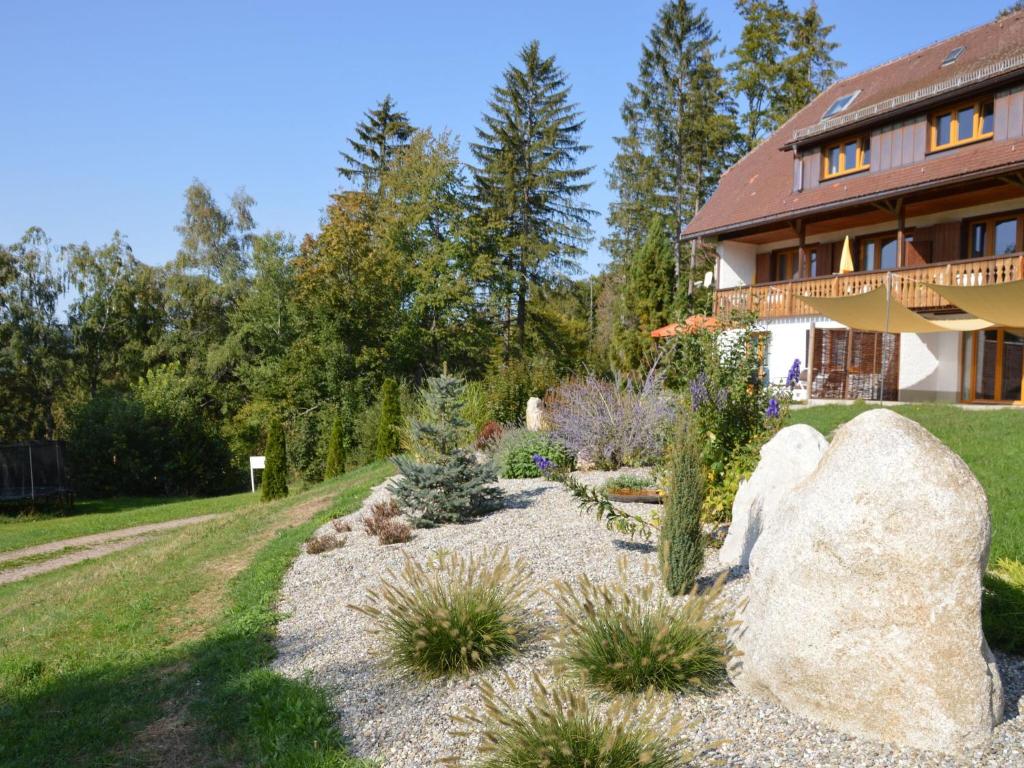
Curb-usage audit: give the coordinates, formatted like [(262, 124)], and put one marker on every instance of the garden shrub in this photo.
[(452, 615), (629, 482), (721, 495), (323, 543), (383, 522), (337, 447), (451, 487), (394, 531), (621, 422), (275, 473), (510, 385), (389, 422), (628, 638), (681, 547), (517, 447), (563, 728), (488, 436), (341, 525)]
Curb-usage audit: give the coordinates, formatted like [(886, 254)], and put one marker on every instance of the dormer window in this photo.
[(840, 104), (962, 124), (848, 156)]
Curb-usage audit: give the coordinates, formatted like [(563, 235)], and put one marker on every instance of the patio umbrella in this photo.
[(846, 262)]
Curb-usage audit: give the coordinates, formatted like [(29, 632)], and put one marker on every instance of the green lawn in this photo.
[(157, 655), (108, 515), (991, 441)]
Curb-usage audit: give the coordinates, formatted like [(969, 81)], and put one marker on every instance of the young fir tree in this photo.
[(680, 134), (449, 486), (382, 133), (529, 183), (681, 547), (646, 299), (275, 472), (389, 424), (337, 448)]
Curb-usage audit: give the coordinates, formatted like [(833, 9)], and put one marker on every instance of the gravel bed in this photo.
[(406, 723)]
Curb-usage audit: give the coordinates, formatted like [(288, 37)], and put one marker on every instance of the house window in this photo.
[(878, 252), (840, 104), (996, 236), (849, 156), (962, 124), (785, 264)]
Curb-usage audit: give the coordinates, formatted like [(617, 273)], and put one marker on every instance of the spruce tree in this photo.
[(275, 472), (646, 299), (382, 133), (389, 424), (680, 135), (529, 183), (448, 486), (811, 68), (681, 547)]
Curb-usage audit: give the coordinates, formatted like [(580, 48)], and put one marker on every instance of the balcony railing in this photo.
[(783, 299)]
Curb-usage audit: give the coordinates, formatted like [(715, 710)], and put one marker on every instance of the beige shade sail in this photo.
[(867, 312), (1000, 304)]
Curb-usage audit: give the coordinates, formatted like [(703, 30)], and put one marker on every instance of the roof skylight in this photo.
[(953, 55), (840, 104)]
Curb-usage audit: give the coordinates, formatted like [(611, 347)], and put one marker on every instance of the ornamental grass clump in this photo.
[(562, 728), (630, 638), (452, 615)]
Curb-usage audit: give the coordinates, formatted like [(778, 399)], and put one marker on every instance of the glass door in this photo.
[(993, 366)]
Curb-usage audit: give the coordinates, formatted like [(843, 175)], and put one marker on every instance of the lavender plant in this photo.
[(622, 422)]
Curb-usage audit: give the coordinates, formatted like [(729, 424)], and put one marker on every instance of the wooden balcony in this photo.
[(782, 299)]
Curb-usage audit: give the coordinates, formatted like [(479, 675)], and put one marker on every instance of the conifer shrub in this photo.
[(275, 472), (337, 446), (629, 638), (681, 547), (517, 447), (389, 421), (448, 486), (452, 615), (564, 728)]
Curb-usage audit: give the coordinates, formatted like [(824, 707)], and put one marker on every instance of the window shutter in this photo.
[(764, 268), (946, 242), (919, 250)]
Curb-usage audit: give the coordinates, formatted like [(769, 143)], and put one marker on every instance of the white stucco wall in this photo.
[(929, 367), (737, 264)]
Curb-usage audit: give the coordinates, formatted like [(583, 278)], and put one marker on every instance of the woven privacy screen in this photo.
[(868, 312), (849, 364), (33, 470)]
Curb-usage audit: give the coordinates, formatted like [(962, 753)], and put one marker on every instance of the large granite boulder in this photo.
[(864, 603), (535, 421), (790, 456)]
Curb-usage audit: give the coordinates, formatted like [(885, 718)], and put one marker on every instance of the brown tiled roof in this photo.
[(759, 187)]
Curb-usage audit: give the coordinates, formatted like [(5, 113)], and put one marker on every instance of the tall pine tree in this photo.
[(379, 136), (529, 183), (680, 133), (811, 67)]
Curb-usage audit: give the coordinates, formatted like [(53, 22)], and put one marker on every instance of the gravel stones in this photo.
[(407, 724)]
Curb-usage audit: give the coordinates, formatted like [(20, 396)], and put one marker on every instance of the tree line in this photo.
[(164, 377)]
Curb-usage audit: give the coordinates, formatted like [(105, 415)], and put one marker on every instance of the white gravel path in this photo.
[(407, 724)]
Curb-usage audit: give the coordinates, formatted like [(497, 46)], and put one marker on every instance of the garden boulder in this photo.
[(864, 603), (786, 459), (535, 414)]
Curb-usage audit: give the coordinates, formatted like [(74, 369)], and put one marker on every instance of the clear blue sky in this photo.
[(110, 109)]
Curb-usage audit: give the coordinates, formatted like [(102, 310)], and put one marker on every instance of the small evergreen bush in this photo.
[(562, 728), (517, 447), (275, 472), (682, 538), (451, 616), (389, 423), (450, 486), (337, 447), (628, 638)]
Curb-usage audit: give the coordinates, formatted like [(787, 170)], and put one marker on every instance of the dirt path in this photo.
[(86, 547), (102, 538)]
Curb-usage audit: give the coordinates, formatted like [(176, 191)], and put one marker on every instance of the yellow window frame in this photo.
[(954, 128), (862, 143)]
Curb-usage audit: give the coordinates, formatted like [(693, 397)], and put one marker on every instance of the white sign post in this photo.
[(256, 462)]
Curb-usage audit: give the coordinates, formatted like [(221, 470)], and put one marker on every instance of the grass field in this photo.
[(157, 655), (991, 441)]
